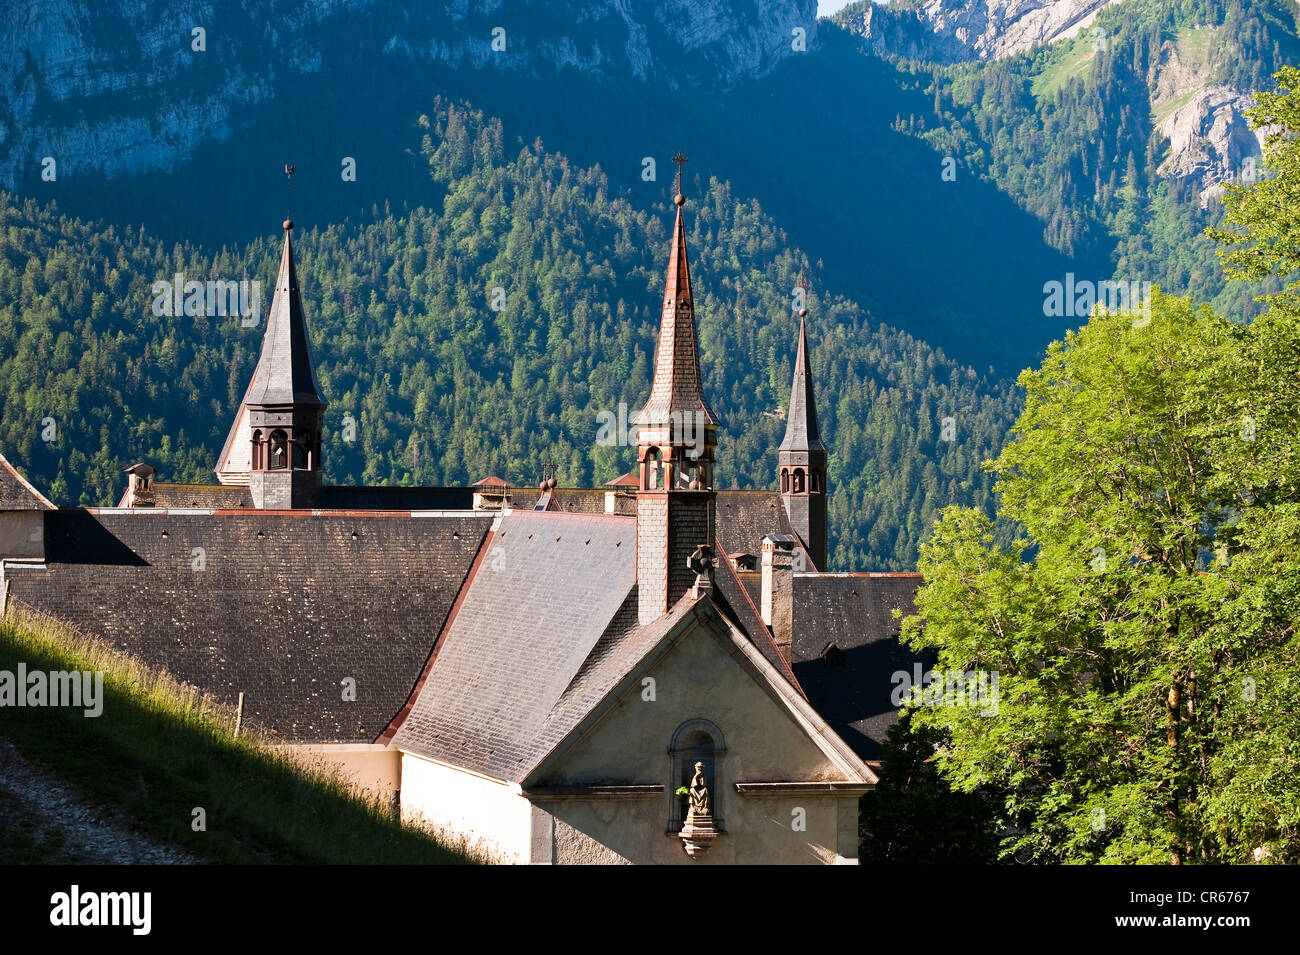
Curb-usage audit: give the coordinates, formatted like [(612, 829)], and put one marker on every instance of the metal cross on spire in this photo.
[(679, 159), (288, 193)]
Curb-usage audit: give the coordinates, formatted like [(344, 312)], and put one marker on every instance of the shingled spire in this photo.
[(676, 386), (801, 459), (275, 444), (677, 440), (801, 424)]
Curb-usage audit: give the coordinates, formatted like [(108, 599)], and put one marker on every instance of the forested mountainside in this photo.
[(192, 142), (1117, 136), (446, 390)]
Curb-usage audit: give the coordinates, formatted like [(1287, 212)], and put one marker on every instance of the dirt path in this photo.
[(44, 821)]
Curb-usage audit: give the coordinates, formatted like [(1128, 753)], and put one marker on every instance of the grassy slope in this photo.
[(158, 751)]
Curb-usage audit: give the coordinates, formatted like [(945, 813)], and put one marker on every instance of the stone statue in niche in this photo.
[(698, 832), (699, 795)]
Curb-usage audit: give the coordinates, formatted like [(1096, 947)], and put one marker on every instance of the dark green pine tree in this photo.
[(914, 817)]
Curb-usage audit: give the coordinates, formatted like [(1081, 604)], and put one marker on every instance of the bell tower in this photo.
[(677, 443), (275, 444), (801, 459)]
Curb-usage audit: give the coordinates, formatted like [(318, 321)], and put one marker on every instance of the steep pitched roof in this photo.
[(846, 650), (676, 386), (550, 587), (16, 494), (801, 432), (284, 374), (283, 606)]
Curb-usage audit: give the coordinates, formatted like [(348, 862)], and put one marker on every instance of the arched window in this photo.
[(785, 480), (650, 470), (300, 450), (815, 481), (798, 480), (696, 741), (278, 450), (258, 451)]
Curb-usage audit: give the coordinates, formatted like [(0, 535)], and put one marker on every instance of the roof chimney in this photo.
[(139, 485), (778, 590)]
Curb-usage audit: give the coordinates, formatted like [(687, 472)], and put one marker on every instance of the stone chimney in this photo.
[(139, 485), (778, 590)]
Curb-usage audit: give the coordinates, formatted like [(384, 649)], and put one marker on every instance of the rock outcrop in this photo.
[(131, 87), (947, 31)]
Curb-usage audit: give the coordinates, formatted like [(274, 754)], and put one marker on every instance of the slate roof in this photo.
[(16, 494), (850, 684), (204, 496), (737, 603), (547, 590), (744, 518), (233, 496), (283, 619)]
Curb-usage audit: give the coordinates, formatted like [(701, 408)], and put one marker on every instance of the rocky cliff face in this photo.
[(129, 87), (1210, 139), (1209, 135), (950, 30)]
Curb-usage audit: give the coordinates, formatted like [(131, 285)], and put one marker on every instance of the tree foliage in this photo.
[(1143, 621)]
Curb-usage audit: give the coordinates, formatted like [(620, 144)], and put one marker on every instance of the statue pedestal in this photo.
[(698, 834)]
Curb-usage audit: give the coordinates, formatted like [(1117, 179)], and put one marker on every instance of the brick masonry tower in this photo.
[(801, 460), (677, 440), (275, 444)]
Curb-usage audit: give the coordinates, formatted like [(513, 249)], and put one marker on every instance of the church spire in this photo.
[(801, 458), (285, 374), (676, 387), (677, 440), (274, 446), (801, 424)]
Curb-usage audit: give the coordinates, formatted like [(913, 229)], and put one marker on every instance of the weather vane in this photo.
[(679, 159)]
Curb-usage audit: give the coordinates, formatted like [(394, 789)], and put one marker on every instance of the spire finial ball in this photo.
[(679, 199), (803, 313), (288, 225)]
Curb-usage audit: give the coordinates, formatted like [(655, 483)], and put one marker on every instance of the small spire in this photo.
[(801, 432)]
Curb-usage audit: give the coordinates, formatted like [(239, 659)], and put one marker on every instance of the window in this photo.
[(258, 451), (785, 480), (278, 449), (650, 470), (696, 741), (798, 480)]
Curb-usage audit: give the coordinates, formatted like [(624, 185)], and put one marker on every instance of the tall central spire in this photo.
[(676, 386), (677, 436)]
